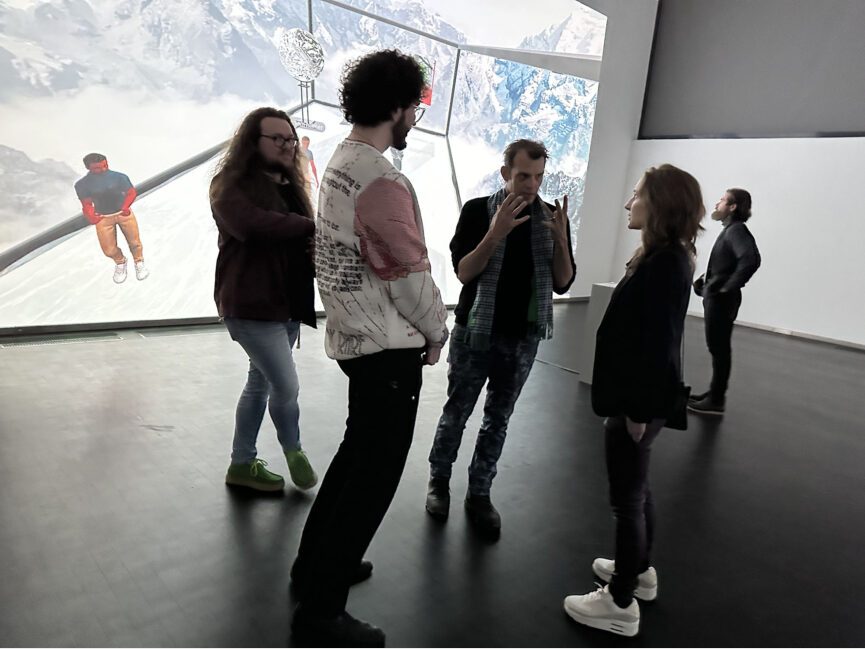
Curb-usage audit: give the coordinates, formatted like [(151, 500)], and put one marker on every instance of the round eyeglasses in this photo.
[(281, 142)]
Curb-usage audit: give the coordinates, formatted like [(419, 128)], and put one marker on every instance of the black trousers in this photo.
[(720, 311), (361, 481), (631, 499)]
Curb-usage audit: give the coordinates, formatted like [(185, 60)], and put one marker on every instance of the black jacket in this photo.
[(638, 369), (733, 261)]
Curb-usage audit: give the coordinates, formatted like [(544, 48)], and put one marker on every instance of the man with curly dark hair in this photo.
[(385, 320)]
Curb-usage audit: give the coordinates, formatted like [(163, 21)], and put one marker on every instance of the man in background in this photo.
[(304, 145), (733, 261)]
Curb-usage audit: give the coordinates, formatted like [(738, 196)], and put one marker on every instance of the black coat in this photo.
[(638, 369)]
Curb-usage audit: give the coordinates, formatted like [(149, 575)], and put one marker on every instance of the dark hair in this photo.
[(675, 209), (242, 165), (742, 200), (376, 85), (534, 150), (92, 158)]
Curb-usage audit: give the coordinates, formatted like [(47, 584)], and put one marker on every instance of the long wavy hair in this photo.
[(675, 209), (243, 166)]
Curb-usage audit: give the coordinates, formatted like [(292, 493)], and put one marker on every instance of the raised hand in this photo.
[(557, 222), (505, 218)]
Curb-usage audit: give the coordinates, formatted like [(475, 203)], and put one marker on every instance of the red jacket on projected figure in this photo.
[(106, 200)]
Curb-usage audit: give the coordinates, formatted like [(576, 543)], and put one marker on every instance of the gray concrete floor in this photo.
[(116, 528)]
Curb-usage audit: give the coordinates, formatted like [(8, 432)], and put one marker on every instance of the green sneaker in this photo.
[(254, 476), (302, 474)]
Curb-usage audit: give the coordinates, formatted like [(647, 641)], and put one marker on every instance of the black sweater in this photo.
[(515, 280), (638, 366)]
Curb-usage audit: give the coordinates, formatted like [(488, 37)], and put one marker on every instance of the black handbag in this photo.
[(678, 418)]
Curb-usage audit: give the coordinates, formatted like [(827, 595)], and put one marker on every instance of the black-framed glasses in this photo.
[(418, 113), (281, 142)]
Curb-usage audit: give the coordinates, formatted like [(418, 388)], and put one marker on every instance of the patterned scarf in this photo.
[(480, 320)]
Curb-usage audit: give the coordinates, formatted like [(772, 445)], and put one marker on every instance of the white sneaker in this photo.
[(599, 611), (647, 582), (120, 273), (141, 271)]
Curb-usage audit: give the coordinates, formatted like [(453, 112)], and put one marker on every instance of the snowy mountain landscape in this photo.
[(30, 189), (196, 49), (153, 82)]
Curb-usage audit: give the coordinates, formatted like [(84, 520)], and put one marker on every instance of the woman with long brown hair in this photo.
[(637, 385), (264, 285)]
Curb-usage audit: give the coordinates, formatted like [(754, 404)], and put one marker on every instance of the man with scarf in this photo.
[(510, 251)]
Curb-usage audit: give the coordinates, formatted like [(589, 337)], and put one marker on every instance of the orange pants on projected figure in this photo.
[(106, 232)]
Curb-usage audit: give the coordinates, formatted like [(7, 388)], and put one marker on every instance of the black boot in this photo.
[(438, 498), (483, 515), (310, 629)]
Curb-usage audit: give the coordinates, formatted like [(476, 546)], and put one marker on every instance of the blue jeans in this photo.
[(504, 368), (272, 383)]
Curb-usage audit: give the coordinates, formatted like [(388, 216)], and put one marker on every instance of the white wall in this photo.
[(627, 47), (807, 219)]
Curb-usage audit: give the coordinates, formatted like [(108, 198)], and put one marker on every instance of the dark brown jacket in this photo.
[(264, 269)]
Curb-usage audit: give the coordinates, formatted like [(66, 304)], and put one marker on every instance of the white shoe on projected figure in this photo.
[(141, 271), (120, 273)]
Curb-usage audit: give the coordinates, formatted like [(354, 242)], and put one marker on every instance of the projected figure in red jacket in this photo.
[(106, 199)]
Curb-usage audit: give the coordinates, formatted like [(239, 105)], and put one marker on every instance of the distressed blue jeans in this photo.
[(504, 368), (271, 384)]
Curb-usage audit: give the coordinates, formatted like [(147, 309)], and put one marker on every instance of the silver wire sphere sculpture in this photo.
[(301, 55)]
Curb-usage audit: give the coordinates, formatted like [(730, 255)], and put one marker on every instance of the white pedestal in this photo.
[(598, 303)]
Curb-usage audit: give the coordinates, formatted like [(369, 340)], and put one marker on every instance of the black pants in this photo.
[(633, 508), (360, 483), (721, 310)]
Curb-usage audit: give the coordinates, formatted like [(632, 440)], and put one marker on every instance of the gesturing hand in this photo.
[(432, 355), (557, 222), (505, 218), (635, 430)]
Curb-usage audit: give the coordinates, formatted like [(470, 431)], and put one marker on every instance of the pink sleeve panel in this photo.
[(385, 221)]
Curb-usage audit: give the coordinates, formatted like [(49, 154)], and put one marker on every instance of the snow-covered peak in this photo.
[(580, 33)]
